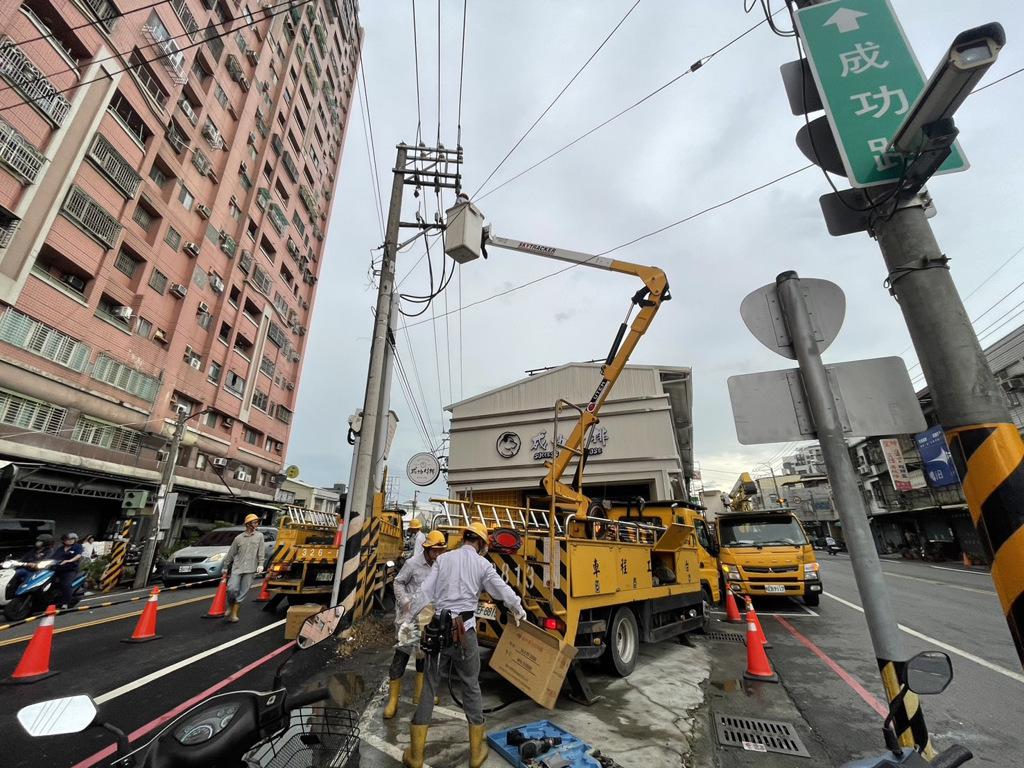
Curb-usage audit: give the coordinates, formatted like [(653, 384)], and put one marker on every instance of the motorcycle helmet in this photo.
[(70, 536), (45, 539)]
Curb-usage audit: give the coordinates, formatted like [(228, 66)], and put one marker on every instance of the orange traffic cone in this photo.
[(219, 607), (35, 662), (752, 615), (758, 666), (264, 594), (145, 629), (732, 613)]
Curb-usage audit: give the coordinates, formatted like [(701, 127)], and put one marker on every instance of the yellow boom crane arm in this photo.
[(648, 300)]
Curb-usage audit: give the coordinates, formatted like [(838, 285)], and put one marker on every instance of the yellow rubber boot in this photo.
[(417, 688), (394, 691), (233, 616), (478, 748), (413, 755)]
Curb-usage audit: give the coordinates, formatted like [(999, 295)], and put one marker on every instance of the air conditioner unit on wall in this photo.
[(203, 307), (243, 474), (75, 282), (196, 362), (192, 249), (125, 313), (179, 290), (203, 210), (219, 462)]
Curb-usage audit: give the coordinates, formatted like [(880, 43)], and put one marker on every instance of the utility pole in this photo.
[(774, 480), (364, 471), (970, 405), (166, 486), (867, 569)]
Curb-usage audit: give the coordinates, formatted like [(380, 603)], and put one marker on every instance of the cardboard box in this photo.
[(534, 661), (298, 614)]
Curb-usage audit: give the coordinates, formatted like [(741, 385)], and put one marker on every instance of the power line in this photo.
[(419, 381), (144, 62), (693, 68), (373, 145), (557, 272), (95, 23), (439, 73), (462, 69), (416, 55), (372, 166), (557, 97), (996, 82), (120, 54)]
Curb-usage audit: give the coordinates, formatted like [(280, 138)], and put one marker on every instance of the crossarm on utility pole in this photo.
[(648, 299)]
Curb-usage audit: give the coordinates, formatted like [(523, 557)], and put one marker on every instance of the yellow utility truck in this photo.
[(597, 574)]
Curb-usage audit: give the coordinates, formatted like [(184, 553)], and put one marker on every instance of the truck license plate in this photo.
[(774, 588), (184, 569), (487, 611), (325, 576)]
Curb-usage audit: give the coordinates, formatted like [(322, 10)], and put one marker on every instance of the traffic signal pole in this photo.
[(970, 405)]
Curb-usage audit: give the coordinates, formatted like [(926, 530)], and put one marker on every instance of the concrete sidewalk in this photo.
[(643, 721), (729, 694)]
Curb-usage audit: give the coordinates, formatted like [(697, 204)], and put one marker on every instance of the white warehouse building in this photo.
[(642, 446)]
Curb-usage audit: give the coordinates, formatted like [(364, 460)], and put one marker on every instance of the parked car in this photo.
[(205, 558)]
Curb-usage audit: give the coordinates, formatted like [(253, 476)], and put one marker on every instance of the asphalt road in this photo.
[(137, 684), (941, 608)]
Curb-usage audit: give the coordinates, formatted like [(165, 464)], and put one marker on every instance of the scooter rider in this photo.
[(407, 584), (454, 585), (68, 557), (44, 544)]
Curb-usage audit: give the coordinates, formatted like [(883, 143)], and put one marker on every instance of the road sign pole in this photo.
[(867, 569), (986, 445)]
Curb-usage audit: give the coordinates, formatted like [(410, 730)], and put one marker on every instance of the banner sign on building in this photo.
[(936, 458), (541, 446), (894, 461)]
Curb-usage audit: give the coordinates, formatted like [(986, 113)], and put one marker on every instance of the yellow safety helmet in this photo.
[(434, 539), (476, 529), (415, 524), (251, 518)]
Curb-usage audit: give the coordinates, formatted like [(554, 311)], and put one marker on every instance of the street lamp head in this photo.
[(964, 64)]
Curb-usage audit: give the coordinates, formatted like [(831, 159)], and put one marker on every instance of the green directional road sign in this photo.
[(868, 78)]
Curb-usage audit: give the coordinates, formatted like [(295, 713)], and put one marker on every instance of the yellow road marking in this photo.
[(107, 620)]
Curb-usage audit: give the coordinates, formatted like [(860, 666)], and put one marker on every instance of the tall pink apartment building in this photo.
[(166, 176)]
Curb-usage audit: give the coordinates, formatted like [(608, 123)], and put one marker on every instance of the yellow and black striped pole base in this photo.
[(907, 715), (990, 460)]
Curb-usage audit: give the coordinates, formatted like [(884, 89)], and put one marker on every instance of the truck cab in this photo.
[(767, 553)]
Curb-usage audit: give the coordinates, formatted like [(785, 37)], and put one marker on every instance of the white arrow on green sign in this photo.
[(868, 78)]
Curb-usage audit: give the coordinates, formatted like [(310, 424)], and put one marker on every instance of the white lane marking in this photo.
[(129, 687), (940, 583), (806, 610), (960, 570), (939, 644)]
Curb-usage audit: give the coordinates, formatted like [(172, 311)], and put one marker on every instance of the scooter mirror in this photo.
[(58, 716), (319, 626), (929, 672)]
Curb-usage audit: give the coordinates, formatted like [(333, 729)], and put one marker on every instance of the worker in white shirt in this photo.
[(407, 584), (416, 525), (454, 586)]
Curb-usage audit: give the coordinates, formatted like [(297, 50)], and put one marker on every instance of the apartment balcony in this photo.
[(177, 139), (18, 155), (317, 232), (262, 127), (188, 21), (26, 333), (235, 68), (91, 217), (293, 249), (308, 200), (263, 198), (321, 38), (171, 57), (278, 218), (114, 166), (289, 166), (30, 82), (106, 12)]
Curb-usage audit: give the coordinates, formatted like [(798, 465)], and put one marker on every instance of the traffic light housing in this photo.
[(134, 498)]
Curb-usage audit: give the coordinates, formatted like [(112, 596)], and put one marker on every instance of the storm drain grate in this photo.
[(732, 637), (752, 733)]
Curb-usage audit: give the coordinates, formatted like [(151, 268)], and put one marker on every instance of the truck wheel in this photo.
[(812, 599), (623, 642), (18, 608), (707, 601)]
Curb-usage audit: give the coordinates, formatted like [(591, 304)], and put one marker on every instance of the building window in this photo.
[(234, 210), (221, 96), (144, 327), (214, 374), (261, 400), (173, 238), (146, 78), (105, 435), (126, 262), (34, 415), (261, 279), (23, 332), (210, 417), (267, 366), (234, 383), (158, 281), (142, 217), (225, 332), (186, 198), (114, 166), (157, 175), (122, 376), (204, 320), (91, 216), (251, 436)]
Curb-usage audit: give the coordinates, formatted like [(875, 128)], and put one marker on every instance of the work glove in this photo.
[(518, 615)]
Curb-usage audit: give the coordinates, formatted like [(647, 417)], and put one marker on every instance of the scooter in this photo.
[(37, 591), (929, 672), (238, 729), (833, 548)]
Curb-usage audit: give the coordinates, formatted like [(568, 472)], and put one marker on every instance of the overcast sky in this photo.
[(712, 135)]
